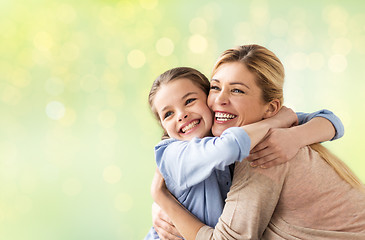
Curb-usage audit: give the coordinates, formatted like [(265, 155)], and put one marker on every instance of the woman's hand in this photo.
[(279, 146), (163, 225), (160, 220)]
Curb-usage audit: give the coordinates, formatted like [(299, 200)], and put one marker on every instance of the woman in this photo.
[(313, 196)]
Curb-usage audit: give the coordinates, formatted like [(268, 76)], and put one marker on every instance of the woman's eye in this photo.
[(237, 91), (190, 100), (167, 114), (214, 88)]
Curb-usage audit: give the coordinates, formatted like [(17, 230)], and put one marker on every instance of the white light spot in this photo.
[(337, 63), (136, 58), (55, 110), (165, 46), (198, 43), (112, 174)]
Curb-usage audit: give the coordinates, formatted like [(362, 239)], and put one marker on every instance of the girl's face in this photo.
[(235, 98), (182, 109)]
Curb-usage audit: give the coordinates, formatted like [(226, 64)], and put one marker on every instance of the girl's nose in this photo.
[(182, 116)]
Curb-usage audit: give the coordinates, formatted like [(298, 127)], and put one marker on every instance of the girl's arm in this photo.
[(282, 144), (184, 164)]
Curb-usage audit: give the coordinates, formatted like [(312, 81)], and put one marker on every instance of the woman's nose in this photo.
[(222, 98)]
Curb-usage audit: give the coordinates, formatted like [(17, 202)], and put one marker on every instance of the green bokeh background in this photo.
[(76, 133)]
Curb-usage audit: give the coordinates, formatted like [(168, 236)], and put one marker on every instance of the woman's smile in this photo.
[(222, 117)]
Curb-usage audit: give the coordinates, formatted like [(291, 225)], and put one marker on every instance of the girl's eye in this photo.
[(190, 100), (167, 114), (237, 91)]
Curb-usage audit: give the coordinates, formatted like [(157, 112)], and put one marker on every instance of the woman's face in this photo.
[(183, 111), (235, 98)]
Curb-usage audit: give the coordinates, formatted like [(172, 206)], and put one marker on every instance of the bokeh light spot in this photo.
[(279, 27), (136, 58), (43, 41), (149, 4), (337, 63), (341, 46), (55, 110), (11, 95), (259, 11), (123, 202), (198, 26), (298, 61), (198, 43), (107, 119), (69, 117), (315, 61), (66, 13), (71, 187), (70, 52), (112, 174), (89, 83), (165, 46), (54, 86)]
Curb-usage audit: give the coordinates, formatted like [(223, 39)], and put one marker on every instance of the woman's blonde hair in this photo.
[(269, 72), (196, 77)]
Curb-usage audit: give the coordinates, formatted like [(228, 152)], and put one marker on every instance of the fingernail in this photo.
[(263, 166), (252, 164)]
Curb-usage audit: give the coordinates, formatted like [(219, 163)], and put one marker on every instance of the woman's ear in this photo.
[(272, 108)]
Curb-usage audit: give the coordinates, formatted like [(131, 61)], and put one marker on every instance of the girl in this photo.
[(178, 99)]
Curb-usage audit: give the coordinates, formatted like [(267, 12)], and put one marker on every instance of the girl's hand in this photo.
[(286, 117), (279, 146), (163, 225), (158, 186)]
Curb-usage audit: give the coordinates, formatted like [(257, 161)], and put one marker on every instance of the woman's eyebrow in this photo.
[(232, 83)]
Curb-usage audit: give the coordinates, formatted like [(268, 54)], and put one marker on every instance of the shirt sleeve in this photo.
[(250, 203), (187, 163), (330, 116)]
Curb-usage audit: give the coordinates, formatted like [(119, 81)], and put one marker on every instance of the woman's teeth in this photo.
[(190, 126), (224, 116)]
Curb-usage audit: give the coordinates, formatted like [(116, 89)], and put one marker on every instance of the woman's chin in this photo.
[(217, 131)]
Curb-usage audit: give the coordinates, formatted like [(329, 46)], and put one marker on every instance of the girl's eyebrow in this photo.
[(188, 94), (232, 83)]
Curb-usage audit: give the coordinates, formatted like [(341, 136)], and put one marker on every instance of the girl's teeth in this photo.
[(190, 126)]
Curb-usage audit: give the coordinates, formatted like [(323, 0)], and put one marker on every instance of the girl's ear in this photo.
[(272, 108)]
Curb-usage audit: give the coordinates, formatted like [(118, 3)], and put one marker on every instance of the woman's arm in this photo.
[(248, 210), (282, 144), (185, 164)]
